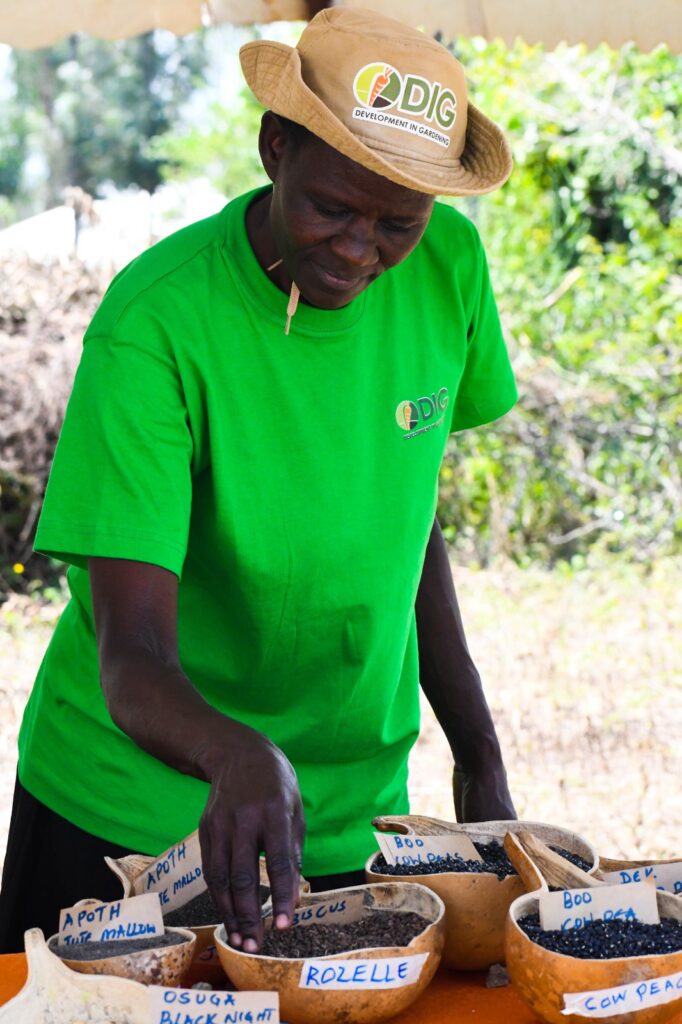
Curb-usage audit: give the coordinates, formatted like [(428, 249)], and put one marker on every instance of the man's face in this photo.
[(337, 225)]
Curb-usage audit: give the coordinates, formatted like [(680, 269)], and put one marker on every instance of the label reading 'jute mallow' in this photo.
[(574, 908), (176, 875), (134, 918), (624, 999), (667, 877), (391, 972), (337, 911), (411, 850), (195, 1006)]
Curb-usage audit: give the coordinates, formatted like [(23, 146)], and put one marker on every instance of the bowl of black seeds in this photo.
[(477, 894), (544, 966), (388, 934), (153, 960)]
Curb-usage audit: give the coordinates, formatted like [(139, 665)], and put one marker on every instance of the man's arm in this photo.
[(254, 802), (453, 687)]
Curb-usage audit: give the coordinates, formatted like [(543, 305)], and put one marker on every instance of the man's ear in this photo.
[(272, 143)]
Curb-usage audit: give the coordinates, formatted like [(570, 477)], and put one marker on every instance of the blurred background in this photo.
[(564, 519)]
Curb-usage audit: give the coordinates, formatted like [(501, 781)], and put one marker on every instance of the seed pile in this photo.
[(100, 950), (495, 861), (201, 911), (381, 928), (605, 940)]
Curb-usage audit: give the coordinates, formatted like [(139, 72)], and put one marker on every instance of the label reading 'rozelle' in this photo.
[(194, 1006), (175, 875), (392, 972), (338, 911), (412, 850), (623, 999), (574, 908), (133, 918), (667, 877)]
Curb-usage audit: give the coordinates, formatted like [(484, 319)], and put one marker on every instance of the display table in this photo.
[(451, 996)]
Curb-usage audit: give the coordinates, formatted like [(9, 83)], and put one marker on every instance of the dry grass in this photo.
[(584, 675)]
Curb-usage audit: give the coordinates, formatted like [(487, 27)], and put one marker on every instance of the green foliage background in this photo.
[(584, 243)]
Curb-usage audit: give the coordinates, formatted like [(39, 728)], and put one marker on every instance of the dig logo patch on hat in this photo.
[(378, 87)]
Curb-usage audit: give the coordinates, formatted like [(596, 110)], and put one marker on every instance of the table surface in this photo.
[(473, 1000)]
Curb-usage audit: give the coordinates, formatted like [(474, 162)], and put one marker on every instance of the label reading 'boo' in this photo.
[(412, 850), (574, 908)]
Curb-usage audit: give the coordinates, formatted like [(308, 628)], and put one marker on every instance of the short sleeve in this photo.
[(487, 389), (120, 484)]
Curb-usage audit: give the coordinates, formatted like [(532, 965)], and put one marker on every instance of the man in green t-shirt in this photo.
[(245, 490)]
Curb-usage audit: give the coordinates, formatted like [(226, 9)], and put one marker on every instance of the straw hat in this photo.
[(385, 95)]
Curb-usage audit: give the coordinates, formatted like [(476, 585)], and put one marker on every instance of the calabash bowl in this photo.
[(161, 965), (302, 1005), (476, 905)]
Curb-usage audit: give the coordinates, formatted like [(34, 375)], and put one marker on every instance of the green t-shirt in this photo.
[(290, 482)]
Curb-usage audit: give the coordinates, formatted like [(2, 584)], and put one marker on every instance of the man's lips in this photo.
[(338, 280)]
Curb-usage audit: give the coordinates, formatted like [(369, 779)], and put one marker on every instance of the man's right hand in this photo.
[(254, 803)]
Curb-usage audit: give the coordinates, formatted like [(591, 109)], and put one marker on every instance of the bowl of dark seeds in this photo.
[(620, 965), (361, 954), (477, 894), (153, 960)]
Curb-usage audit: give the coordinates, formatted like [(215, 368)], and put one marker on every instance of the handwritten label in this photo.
[(92, 921), (574, 908), (391, 972), (176, 875), (667, 877), (624, 998), (339, 911), (194, 1006), (425, 849)]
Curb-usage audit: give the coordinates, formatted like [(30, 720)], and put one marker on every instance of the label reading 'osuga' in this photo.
[(667, 877), (93, 921), (574, 908), (176, 875), (194, 1006), (412, 850), (623, 999), (393, 972)]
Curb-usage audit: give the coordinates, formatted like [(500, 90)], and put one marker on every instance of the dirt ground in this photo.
[(584, 675)]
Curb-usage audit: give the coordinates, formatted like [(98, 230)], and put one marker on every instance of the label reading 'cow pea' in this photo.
[(176, 875), (412, 850), (391, 972), (336, 911), (93, 921), (624, 999), (667, 877), (194, 1006), (575, 908)]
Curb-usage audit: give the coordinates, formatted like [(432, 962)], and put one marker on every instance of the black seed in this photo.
[(379, 928), (495, 861), (604, 940), (100, 950), (201, 911)]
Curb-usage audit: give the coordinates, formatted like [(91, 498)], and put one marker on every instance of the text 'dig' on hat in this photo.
[(385, 95)]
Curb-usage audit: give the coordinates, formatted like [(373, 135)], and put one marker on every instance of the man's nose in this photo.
[(356, 244)]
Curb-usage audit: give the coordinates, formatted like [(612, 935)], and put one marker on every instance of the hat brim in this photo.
[(273, 73)]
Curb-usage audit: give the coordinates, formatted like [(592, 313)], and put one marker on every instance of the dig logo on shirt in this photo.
[(422, 414)]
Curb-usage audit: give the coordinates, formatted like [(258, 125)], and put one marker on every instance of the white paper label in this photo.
[(667, 877), (425, 849), (574, 908), (391, 972), (133, 918), (176, 875), (195, 1006), (624, 998), (339, 911)]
